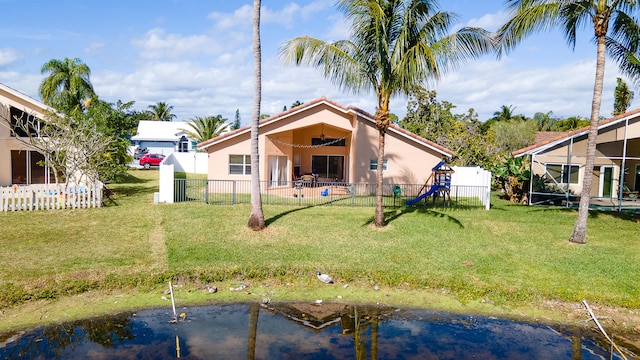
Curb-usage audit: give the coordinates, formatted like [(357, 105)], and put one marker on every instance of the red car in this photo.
[(149, 160)]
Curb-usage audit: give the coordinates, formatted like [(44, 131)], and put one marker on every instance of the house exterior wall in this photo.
[(609, 152), (408, 161), (7, 143), (218, 161)]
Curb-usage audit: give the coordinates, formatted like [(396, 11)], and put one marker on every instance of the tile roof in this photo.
[(560, 136), (334, 104)]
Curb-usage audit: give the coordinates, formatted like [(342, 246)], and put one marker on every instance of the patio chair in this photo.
[(628, 194), (309, 180)]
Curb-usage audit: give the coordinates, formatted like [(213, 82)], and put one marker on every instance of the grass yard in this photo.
[(512, 257)]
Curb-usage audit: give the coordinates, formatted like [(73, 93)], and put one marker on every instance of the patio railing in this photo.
[(231, 192)]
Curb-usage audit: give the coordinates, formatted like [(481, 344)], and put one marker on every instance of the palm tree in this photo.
[(207, 127), (616, 32), (546, 121), (256, 218), (505, 113), (622, 97), (67, 86), (160, 112), (395, 46)]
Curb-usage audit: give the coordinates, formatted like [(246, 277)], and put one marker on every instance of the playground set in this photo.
[(438, 183)]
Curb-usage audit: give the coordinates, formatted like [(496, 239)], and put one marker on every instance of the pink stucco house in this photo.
[(19, 164), (291, 145)]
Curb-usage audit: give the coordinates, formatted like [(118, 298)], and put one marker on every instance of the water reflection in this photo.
[(296, 330)]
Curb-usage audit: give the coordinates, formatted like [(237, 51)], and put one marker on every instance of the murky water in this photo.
[(299, 331)]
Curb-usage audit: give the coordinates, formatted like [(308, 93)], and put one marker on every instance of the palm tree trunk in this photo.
[(579, 234), (256, 218), (379, 213)]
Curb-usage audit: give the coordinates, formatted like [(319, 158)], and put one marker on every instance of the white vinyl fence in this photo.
[(474, 176), (50, 197), (189, 162)]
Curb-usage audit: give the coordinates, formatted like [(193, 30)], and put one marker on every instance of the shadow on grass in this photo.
[(594, 213), (128, 178), (392, 215), (275, 218)]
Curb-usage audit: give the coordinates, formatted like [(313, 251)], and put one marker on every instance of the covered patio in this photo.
[(558, 166)]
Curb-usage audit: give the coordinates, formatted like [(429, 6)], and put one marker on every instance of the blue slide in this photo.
[(416, 200)]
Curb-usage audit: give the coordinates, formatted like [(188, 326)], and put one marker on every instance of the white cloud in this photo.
[(26, 83), (94, 48), (285, 17), (8, 56), (566, 89), (491, 22), (293, 13), (156, 44), (243, 16)]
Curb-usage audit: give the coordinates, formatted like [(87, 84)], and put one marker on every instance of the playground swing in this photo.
[(441, 176)]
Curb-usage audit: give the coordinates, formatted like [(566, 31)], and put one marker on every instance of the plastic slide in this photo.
[(416, 200)]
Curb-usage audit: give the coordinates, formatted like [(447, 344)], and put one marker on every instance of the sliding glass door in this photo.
[(330, 167)]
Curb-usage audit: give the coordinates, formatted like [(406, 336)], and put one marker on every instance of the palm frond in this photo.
[(205, 128), (338, 61), (529, 16)]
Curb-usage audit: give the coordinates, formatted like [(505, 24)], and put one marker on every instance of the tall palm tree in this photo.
[(395, 46), (616, 32), (256, 218), (67, 86), (207, 127), (160, 111)]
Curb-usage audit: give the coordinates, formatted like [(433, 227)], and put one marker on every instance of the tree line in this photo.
[(489, 143)]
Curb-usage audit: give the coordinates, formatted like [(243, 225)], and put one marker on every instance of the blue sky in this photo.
[(196, 55)]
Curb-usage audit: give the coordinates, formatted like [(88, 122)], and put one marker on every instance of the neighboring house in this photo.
[(291, 145), (560, 160), (164, 137), (18, 163)]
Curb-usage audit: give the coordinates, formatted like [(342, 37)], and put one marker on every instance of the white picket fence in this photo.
[(50, 197)]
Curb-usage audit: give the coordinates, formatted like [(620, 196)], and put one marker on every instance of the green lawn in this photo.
[(508, 256)]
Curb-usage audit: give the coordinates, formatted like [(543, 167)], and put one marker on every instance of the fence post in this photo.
[(206, 191), (233, 193), (457, 187)]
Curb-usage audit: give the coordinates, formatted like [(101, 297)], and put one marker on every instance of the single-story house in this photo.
[(560, 160), (328, 140), (164, 137), (19, 164)]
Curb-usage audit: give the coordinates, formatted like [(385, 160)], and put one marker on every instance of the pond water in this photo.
[(299, 331)]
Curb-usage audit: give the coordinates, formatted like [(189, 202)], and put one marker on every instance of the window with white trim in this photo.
[(373, 165), (239, 164)]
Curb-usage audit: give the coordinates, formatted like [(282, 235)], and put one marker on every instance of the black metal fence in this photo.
[(230, 192)]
